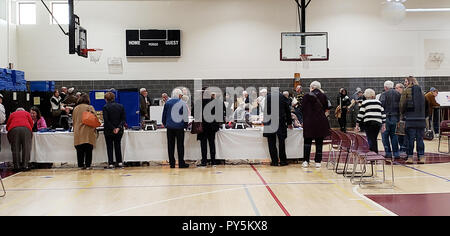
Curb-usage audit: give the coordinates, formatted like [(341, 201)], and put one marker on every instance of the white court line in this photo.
[(177, 198), (355, 190)]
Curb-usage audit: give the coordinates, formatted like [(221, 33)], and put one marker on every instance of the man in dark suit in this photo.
[(276, 125)]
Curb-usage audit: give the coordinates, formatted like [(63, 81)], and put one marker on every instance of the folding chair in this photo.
[(3, 187), (353, 153), (444, 132), (366, 156), (346, 144), (335, 145)]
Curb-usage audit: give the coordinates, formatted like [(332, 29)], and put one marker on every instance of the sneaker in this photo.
[(409, 161), (109, 167), (422, 160), (120, 165), (305, 164), (318, 165)]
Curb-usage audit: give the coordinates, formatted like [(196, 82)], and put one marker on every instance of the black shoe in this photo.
[(274, 164), (202, 165), (172, 166), (26, 169), (183, 166), (284, 164)]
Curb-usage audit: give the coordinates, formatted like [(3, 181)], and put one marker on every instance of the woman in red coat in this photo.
[(315, 122), (19, 128)]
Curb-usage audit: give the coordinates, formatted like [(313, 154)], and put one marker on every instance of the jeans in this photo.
[(402, 141), (390, 138), (372, 130), (307, 149), (415, 134)]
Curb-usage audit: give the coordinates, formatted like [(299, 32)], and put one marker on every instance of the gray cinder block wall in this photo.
[(331, 86)]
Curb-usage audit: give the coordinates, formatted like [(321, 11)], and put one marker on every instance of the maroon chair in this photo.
[(366, 156), (346, 144), (335, 146), (444, 132), (353, 153)]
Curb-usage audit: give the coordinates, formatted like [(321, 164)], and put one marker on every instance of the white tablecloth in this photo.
[(152, 146)]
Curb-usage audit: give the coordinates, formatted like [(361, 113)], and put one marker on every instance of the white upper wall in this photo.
[(238, 39)]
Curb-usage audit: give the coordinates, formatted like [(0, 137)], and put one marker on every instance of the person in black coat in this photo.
[(315, 123), (343, 101), (272, 130), (210, 126), (114, 122)]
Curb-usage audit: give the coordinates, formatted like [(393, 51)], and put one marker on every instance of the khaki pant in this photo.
[(20, 140)]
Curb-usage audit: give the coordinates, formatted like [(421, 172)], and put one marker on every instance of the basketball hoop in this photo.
[(94, 54), (305, 59)]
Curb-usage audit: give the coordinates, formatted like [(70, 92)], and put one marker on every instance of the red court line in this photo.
[(271, 192)]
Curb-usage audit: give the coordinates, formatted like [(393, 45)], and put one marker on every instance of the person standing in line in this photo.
[(210, 127), (19, 127), (433, 109), (114, 122), (273, 130), (144, 103), (175, 118), (390, 100), (401, 138), (343, 101), (315, 123), (372, 117), (412, 108), (357, 99), (84, 136)]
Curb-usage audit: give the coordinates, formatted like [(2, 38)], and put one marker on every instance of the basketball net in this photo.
[(305, 59), (94, 54)]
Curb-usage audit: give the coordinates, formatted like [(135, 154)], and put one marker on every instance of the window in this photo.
[(27, 13), (60, 11)]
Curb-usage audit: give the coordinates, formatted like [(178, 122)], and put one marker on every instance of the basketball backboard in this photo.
[(77, 34), (295, 44)]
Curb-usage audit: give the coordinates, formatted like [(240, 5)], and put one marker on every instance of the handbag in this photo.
[(90, 120), (401, 128), (197, 128)]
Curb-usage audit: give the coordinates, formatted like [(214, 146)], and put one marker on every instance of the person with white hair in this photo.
[(261, 100), (372, 117), (390, 101), (175, 119), (144, 104), (20, 127), (315, 123)]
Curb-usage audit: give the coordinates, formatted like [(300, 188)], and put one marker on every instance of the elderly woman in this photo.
[(38, 120), (84, 136), (315, 123), (19, 128), (372, 116)]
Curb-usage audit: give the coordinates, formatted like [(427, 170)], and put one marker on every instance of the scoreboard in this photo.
[(153, 43)]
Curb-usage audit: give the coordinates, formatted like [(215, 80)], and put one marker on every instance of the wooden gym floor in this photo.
[(241, 190)]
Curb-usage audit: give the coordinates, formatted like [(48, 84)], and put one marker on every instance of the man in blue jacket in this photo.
[(175, 118)]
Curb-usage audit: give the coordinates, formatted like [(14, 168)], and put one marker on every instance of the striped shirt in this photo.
[(371, 110)]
